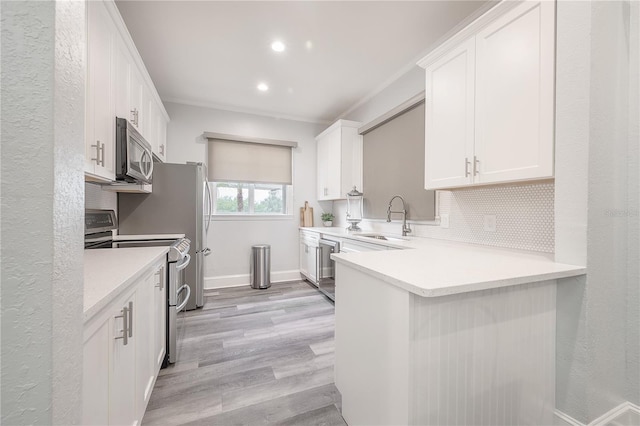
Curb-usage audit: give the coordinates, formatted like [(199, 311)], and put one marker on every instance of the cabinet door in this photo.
[(160, 317), (515, 95), (162, 137), (312, 262), (304, 268), (135, 103), (122, 71), (151, 123), (322, 159), (351, 161), (122, 374), (99, 155), (144, 329), (95, 377), (449, 118), (334, 164)]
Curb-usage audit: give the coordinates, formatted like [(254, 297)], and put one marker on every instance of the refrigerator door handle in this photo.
[(210, 204)]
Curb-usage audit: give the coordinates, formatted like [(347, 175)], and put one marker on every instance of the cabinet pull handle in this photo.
[(130, 319), (161, 149), (476, 167), (160, 284), (97, 147), (134, 112), (101, 151), (466, 167), (125, 326)]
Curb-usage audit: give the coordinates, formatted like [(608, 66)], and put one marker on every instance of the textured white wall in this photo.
[(43, 69), (231, 240), (597, 207)]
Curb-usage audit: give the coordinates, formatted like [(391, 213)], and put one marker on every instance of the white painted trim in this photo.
[(570, 421), (604, 419), (243, 110), (225, 281), (615, 412)]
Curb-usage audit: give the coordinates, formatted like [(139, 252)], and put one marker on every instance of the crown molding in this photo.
[(243, 110)]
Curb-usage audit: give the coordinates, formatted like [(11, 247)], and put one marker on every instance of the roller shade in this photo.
[(250, 161)]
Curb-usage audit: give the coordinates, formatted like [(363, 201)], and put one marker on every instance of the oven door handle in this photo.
[(185, 262), (186, 299)]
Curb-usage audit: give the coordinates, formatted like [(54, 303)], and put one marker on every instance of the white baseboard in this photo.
[(224, 281), (625, 414)]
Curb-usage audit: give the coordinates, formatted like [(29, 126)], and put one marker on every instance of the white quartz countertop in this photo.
[(440, 268), (429, 267), (121, 237), (109, 272)]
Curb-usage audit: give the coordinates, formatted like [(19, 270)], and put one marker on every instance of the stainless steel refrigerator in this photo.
[(180, 203)]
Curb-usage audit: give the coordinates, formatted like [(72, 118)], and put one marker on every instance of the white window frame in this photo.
[(287, 194)]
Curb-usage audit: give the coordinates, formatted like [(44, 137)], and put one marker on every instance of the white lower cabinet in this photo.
[(122, 364), (308, 255), (123, 353)]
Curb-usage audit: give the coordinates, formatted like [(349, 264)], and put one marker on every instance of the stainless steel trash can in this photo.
[(260, 266)]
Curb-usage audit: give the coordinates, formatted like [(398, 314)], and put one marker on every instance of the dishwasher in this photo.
[(326, 272)]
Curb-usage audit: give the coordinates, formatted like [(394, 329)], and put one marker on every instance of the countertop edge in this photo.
[(94, 310), (466, 287)]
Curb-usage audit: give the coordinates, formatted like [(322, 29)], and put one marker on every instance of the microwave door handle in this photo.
[(147, 167), (150, 165)]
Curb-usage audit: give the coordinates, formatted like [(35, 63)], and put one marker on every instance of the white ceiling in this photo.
[(214, 53)]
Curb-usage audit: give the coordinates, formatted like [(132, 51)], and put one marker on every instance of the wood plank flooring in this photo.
[(252, 357)]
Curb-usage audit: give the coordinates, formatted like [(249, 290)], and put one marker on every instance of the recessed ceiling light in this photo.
[(309, 45), (263, 87), (278, 46)]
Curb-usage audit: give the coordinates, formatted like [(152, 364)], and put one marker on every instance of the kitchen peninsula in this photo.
[(447, 333)]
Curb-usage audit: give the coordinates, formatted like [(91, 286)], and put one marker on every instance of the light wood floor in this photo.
[(252, 357)]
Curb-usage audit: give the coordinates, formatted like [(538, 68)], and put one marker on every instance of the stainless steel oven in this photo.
[(326, 273), (99, 227)]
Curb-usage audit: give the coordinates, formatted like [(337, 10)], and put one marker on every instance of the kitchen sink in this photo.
[(382, 237)]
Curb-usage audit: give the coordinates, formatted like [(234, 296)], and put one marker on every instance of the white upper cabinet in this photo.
[(100, 118), (117, 85), (490, 99), (136, 103), (339, 150), (449, 118), (515, 95)]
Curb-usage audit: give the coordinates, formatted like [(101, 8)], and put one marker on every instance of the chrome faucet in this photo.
[(405, 228)]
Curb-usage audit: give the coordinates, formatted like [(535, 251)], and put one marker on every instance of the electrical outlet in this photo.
[(490, 223), (444, 221)]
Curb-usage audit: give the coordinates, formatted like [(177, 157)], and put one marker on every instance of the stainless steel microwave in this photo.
[(134, 157)]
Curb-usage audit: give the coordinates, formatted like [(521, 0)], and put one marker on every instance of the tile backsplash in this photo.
[(524, 217)]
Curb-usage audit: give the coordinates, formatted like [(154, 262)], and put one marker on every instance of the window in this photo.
[(237, 198), (250, 176)]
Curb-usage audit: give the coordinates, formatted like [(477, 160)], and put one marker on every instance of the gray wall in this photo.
[(393, 164), (42, 209), (597, 206)]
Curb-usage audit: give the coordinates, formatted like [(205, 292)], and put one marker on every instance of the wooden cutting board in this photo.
[(306, 215)]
